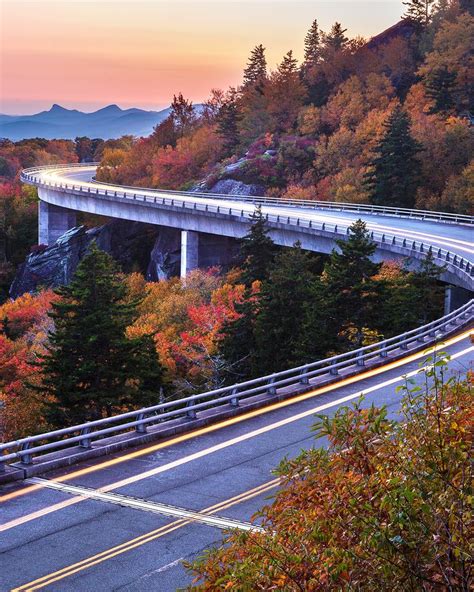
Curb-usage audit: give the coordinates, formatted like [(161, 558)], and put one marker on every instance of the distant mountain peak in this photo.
[(57, 107), (110, 108)]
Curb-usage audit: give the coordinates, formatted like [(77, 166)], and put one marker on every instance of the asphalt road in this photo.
[(64, 541), (457, 238)]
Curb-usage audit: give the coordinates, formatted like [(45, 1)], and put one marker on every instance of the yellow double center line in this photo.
[(141, 540), (162, 531)]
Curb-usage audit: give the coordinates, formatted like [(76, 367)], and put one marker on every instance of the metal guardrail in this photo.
[(383, 240), (82, 435), (29, 175), (138, 420)]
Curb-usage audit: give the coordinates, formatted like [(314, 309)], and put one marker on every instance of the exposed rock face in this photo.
[(165, 257), (233, 187), (129, 243)]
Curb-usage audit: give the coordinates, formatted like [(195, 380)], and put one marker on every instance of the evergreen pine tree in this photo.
[(255, 73), (257, 250), (395, 170), (91, 369), (228, 126), (347, 295), (336, 39), (278, 327), (439, 86), (312, 46), (288, 67), (419, 11), (237, 346)]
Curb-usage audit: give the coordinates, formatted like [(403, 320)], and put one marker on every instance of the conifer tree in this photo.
[(257, 250), (347, 295), (336, 39), (395, 170), (439, 85), (419, 11), (255, 72), (91, 369), (228, 126), (288, 67), (312, 46), (278, 327), (237, 346)]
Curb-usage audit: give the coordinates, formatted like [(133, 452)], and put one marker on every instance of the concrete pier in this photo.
[(53, 222), (455, 297), (189, 251)]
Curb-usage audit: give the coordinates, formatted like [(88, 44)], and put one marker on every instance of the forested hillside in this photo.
[(384, 121)]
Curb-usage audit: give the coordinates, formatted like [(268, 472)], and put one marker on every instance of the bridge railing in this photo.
[(31, 175), (190, 407), (384, 240)]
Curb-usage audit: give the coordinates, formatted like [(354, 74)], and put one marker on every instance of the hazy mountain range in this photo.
[(58, 122)]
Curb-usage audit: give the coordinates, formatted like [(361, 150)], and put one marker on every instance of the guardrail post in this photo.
[(333, 370), (271, 390), (190, 413), (303, 377), (141, 427), (234, 402), (85, 442), (403, 345), (26, 459), (420, 338), (404, 242), (323, 227), (2, 464), (383, 352), (360, 360)]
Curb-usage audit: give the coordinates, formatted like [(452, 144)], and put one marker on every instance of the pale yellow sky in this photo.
[(88, 53)]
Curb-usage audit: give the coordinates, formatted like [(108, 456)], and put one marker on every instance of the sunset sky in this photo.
[(89, 53)]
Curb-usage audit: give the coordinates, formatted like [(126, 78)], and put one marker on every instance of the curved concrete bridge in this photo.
[(65, 190), (126, 519)]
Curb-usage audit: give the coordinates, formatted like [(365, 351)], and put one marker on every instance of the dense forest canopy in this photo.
[(349, 123)]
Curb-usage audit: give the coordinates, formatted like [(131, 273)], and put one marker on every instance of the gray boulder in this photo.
[(233, 187)]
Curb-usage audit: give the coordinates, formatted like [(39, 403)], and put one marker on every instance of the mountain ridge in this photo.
[(61, 123)]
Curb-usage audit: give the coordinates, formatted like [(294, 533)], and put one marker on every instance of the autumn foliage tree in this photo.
[(386, 506)]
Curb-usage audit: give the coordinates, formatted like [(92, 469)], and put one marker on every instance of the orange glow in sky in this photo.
[(89, 53)]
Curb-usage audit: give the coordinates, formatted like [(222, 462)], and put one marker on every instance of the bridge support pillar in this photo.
[(189, 251), (53, 222), (455, 297)]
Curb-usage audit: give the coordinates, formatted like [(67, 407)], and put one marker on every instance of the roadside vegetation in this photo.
[(111, 342), (387, 505), (384, 121)]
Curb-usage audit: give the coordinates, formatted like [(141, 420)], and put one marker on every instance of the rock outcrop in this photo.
[(233, 187), (153, 250)]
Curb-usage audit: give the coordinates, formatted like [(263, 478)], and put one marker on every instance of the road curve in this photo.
[(126, 523), (396, 236)]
